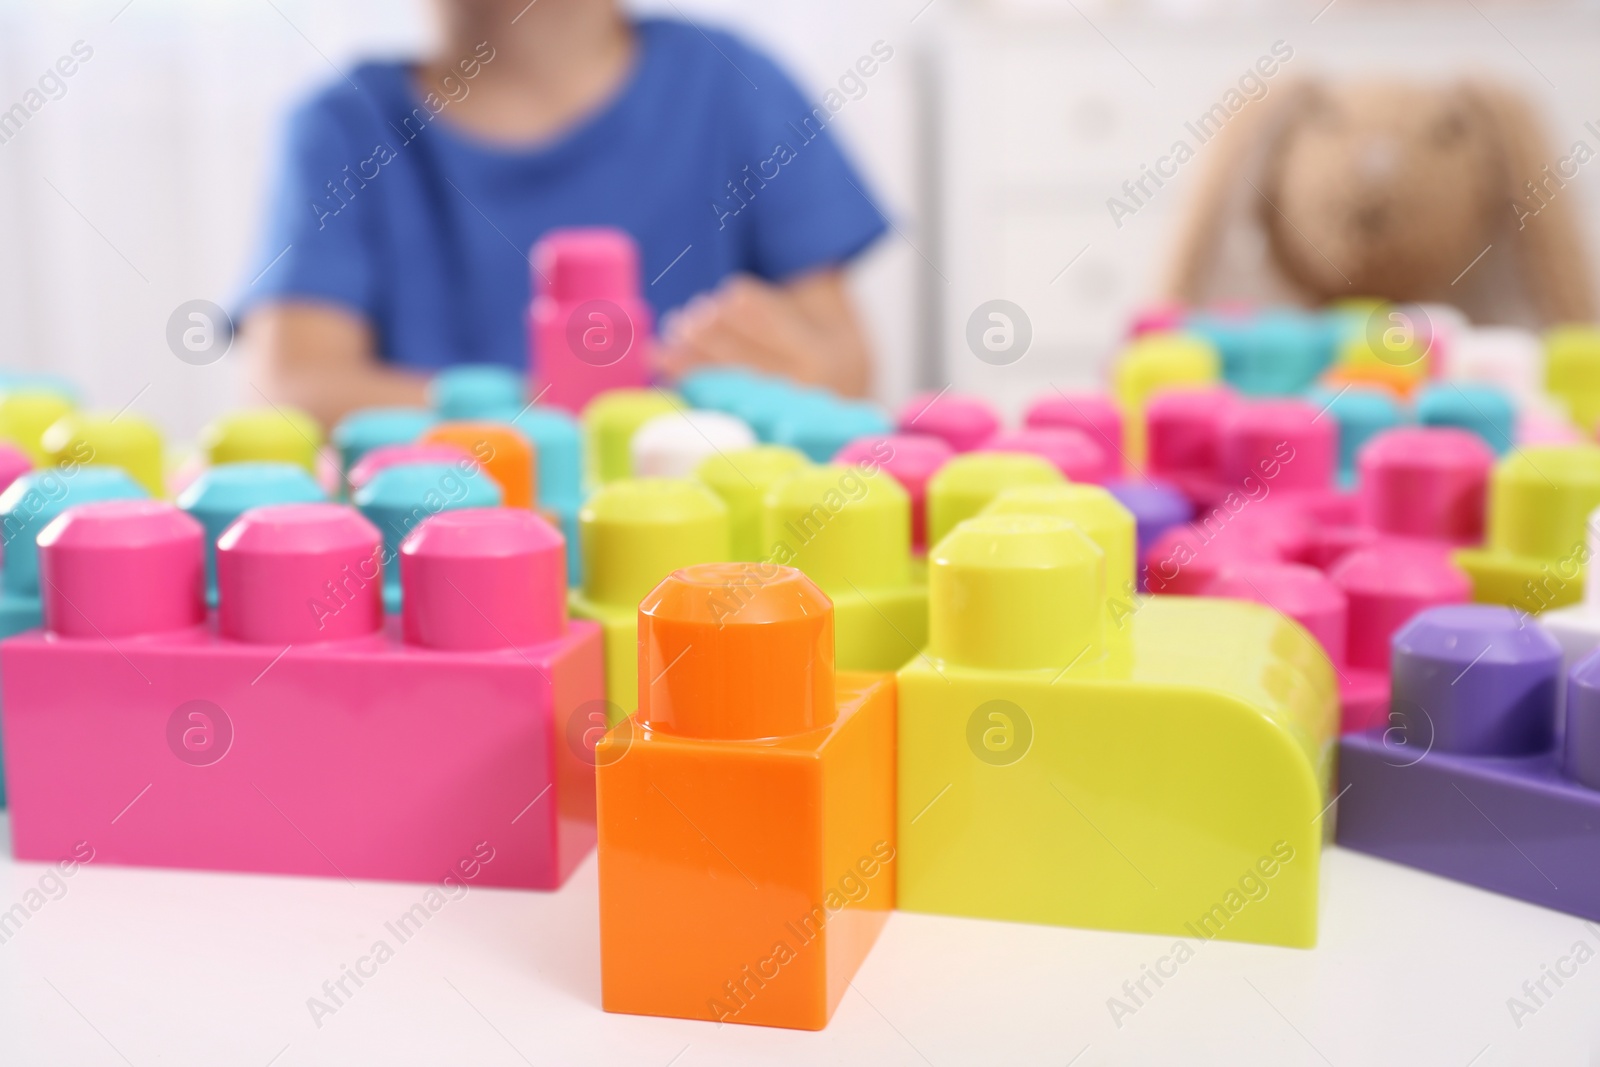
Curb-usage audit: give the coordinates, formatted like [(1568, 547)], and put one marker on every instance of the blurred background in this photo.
[(996, 139)]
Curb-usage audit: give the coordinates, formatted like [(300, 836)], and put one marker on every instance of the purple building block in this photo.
[(1468, 780), (1156, 507)]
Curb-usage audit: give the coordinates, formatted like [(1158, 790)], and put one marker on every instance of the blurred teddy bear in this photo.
[(1411, 193)]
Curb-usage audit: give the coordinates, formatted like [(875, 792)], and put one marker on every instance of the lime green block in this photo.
[(263, 435), (123, 439), (609, 423), (1535, 550), (965, 485), (1572, 372), (26, 414), (741, 478), (1091, 509), (850, 532), (633, 534), (1166, 776), (1150, 364)]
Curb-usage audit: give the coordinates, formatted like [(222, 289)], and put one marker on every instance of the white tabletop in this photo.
[(129, 966)]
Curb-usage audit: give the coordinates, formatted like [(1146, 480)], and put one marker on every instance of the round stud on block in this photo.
[(265, 435), (717, 388), (14, 463), (1071, 452), (299, 574), (674, 444), (762, 670), (117, 568), (382, 458), (1484, 410), (637, 531), (558, 450), (1303, 593), (484, 578), (1425, 482), (362, 431), (475, 391), (1572, 370), (1152, 364), (1388, 584), (126, 441), (611, 420), (965, 485), (1185, 559), (770, 399), (820, 429), (1539, 500), (221, 494), (1576, 627), (25, 414), (1156, 506), (1016, 592), (1277, 352), (1284, 442), (1091, 509), (400, 499), (741, 479), (1474, 679), (504, 454), (842, 527), (1360, 412), (912, 459), (1580, 757), (33, 500), (1091, 413), (964, 422), (1184, 431), (589, 329)]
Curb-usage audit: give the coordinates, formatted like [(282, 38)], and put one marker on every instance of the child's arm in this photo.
[(322, 359), (805, 329)]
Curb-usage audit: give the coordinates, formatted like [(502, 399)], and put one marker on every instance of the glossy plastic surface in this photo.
[(589, 330)]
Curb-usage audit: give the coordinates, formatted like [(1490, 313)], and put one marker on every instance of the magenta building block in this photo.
[(1185, 559), (1286, 443), (1183, 434), (964, 422), (1095, 414), (298, 731), (911, 459), (1429, 482), (589, 329), (1303, 593), (1069, 451), (1467, 780)]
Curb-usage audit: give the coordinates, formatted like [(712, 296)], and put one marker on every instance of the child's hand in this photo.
[(805, 331)]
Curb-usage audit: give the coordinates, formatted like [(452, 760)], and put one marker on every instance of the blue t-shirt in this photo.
[(707, 155)]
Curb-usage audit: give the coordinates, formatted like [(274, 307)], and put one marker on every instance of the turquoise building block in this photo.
[(557, 442), (476, 391), (820, 427), (1484, 409), (221, 494), (398, 499), (1362, 412), (719, 388), (1280, 352), (362, 431)]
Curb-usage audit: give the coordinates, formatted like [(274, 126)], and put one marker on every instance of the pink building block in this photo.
[(1183, 434), (383, 457), (1072, 452), (297, 732), (1186, 559), (913, 459), (1427, 482), (964, 422), (1092, 413), (589, 329), (1285, 443)]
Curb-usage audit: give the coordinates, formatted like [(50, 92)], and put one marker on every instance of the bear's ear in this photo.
[(1548, 246), (1234, 201)]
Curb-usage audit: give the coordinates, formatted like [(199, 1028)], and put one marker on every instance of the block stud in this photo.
[(300, 573), (636, 532), (505, 455), (912, 459), (741, 479), (842, 527), (1281, 441), (1425, 482), (967, 483), (1090, 508), (484, 578), (117, 568)]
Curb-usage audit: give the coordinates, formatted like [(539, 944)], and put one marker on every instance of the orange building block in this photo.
[(505, 455), (747, 810)]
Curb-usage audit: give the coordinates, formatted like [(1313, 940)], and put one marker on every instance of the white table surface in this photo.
[(132, 966)]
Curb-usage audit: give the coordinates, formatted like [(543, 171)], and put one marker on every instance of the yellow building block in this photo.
[(634, 533), (1151, 363), (1166, 776), (1097, 513), (265, 435), (609, 422), (124, 439), (1572, 372), (25, 415), (964, 486), (741, 478)]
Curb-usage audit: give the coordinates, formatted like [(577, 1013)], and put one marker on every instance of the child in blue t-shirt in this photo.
[(411, 194)]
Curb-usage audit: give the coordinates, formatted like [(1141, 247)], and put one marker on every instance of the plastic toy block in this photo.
[(558, 452), (1485, 410), (1301, 593), (476, 391), (1361, 413), (966, 484), (502, 453), (912, 459), (1154, 363), (221, 494), (25, 414), (1278, 352), (964, 422), (849, 530), (820, 428), (1093, 414), (1184, 429), (122, 440), (634, 533), (741, 479), (1576, 627), (1426, 482), (1197, 736), (1398, 358), (1185, 559), (609, 423), (752, 800), (717, 388), (293, 734), (1286, 444), (362, 431), (589, 329), (1072, 452), (1156, 507), (382, 458), (673, 445), (1468, 780), (1386, 585), (1572, 371), (1092, 510), (14, 463), (398, 499), (1539, 498), (264, 435), (769, 400)]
